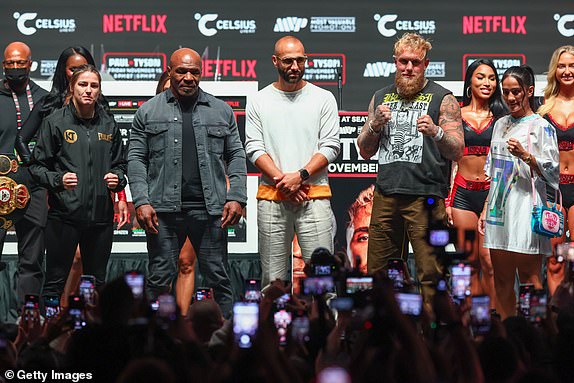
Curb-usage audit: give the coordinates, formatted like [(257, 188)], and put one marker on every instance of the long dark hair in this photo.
[(495, 103), (57, 96), (525, 77)]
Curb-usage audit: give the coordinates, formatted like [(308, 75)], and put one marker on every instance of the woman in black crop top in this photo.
[(481, 106), (558, 109)]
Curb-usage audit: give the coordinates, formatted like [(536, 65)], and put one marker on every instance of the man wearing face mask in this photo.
[(18, 94)]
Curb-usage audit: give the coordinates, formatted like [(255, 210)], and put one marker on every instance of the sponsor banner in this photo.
[(229, 69), (333, 24), (323, 68), (494, 24), (379, 69), (293, 24), (390, 24), (127, 23), (134, 66), (565, 24), (209, 24), (436, 69), (29, 23), (350, 163), (47, 67), (502, 61)]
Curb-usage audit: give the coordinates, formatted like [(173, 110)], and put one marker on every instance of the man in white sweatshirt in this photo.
[(292, 135)]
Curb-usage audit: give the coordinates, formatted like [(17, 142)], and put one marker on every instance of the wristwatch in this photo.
[(304, 174)]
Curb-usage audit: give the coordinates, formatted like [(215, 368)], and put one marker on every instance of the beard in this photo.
[(408, 88), (290, 76)]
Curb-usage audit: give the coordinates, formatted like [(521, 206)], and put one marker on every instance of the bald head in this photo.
[(19, 49), (288, 43), (184, 55), (184, 73)]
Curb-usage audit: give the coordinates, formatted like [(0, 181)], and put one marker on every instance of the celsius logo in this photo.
[(493, 24), (379, 69), (28, 25), (420, 26), (243, 26), (290, 24), (561, 24)]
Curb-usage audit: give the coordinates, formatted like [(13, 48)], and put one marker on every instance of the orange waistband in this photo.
[(270, 193), (471, 185)]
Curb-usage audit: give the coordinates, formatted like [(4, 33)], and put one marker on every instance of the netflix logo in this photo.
[(119, 23), (494, 24)]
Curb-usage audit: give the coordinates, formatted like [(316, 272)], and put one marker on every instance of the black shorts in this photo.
[(567, 191), (471, 200)]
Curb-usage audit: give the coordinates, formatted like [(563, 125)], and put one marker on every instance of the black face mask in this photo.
[(16, 76)]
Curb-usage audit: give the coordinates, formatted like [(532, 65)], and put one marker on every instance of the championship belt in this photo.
[(14, 196)]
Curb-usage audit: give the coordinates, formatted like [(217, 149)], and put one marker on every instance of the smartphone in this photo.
[(524, 296), (135, 280), (480, 314), (282, 319), (342, 303), (76, 311), (439, 237), (52, 304), (166, 307), (31, 305), (319, 270), (282, 301), (300, 328), (252, 290), (460, 280), (202, 293), (410, 303), (317, 285), (333, 375), (245, 323), (356, 284), (396, 272), (538, 306), (87, 288)]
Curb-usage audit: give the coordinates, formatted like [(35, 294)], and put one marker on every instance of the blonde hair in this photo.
[(364, 201), (413, 41), (553, 86)]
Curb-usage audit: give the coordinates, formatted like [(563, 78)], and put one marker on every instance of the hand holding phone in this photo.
[(480, 314), (245, 323), (88, 288)]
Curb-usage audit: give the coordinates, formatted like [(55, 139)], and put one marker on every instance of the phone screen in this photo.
[(524, 297), (356, 284), (333, 375), (322, 270), (135, 280), (202, 293), (87, 287), (395, 271), (76, 311), (342, 303), (31, 305), (300, 328), (166, 307), (480, 314), (460, 280), (52, 304), (282, 319), (317, 285), (410, 304), (252, 290), (245, 322), (538, 306)]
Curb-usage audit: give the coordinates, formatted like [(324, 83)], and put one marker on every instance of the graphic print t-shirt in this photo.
[(409, 162)]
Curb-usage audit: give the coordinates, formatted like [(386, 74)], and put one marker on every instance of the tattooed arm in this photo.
[(368, 140), (452, 144)]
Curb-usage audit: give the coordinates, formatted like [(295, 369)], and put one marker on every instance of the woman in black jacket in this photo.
[(79, 158)]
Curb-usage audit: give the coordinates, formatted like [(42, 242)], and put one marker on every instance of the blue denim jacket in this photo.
[(155, 153)]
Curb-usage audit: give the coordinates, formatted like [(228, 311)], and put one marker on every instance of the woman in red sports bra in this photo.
[(481, 106), (558, 109)]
